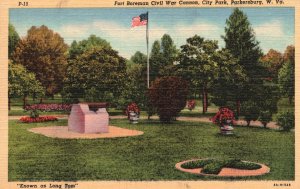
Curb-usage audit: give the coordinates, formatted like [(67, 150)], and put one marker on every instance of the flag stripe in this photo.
[(140, 20)]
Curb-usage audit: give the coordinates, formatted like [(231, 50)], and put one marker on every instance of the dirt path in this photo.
[(271, 125)]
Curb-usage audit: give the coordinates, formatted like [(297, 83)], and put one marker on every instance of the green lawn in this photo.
[(151, 156)]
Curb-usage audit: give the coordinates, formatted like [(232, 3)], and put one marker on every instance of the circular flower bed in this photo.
[(28, 119), (226, 167)]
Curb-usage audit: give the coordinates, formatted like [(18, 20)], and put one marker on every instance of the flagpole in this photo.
[(147, 40)]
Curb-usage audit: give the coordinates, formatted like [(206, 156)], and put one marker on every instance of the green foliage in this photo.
[(168, 95), (240, 41), (162, 57), (97, 74), (135, 87), (79, 48), (250, 111), (34, 114), (22, 83), (169, 51), (212, 168), (139, 58), (286, 80), (245, 165), (228, 79), (13, 40), (43, 52), (265, 117), (197, 66), (286, 120), (196, 164)]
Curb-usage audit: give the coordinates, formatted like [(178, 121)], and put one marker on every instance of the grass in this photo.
[(151, 156)]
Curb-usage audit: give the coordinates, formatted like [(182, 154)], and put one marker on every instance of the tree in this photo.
[(250, 110), (273, 60), (78, 48), (139, 58), (240, 41), (286, 80), (169, 51), (286, 75), (43, 52), (228, 80), (22, 83), (168, 95), (196, 64), (13, 40), (162, 57), (96, 74), (155, 60), (289, 54), (135, 87)]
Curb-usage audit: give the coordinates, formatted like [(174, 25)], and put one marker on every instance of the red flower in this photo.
[(222, 116), (191, 104), (27, 119), (132, 107)]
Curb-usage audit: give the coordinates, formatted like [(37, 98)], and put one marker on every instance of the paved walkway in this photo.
[(271, 125)]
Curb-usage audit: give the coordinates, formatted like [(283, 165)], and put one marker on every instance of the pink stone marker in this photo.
[(82, 120)]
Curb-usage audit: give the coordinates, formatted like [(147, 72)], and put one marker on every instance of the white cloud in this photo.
[(272, 35), (74, 31), (270, 29), (129, 40)]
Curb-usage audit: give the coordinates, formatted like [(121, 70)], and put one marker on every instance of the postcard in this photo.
[(149, 94)]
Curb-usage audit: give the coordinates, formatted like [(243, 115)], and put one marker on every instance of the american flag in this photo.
[(139, 20)]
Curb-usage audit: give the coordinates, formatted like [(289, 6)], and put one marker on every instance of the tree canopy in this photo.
[(22, 83), (95, 74), (196, 64), (13, 40), (43, 52)]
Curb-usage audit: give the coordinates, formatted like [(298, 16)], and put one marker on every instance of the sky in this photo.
[(274, 27)]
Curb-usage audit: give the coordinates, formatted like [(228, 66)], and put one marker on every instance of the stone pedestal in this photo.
[(133, 117), (83, 120), (226, 130)]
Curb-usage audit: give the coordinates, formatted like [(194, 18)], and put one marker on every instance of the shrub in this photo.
[(250, 110), (212, 168), (245, 165), (196, 164), (168, 95), (27, 119), (191, 104), (286, 120), (265, 117), (34, 114)]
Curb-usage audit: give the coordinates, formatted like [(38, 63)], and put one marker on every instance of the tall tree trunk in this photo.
[(9, 102), (206, 99), (290, 100), (41, 100), (24, 101), (238, 107), (248, 123), (203, 100)]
